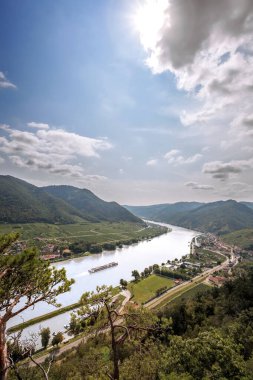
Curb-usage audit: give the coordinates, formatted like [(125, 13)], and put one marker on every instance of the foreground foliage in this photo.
[(25, 280), (208, 336)]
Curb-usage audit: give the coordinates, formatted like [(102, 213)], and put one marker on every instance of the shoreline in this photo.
[(75, 305), (118, 244), (134, 248), (42, 318)]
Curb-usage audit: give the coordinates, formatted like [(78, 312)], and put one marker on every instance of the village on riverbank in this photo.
[(64, 242), (209, 263)]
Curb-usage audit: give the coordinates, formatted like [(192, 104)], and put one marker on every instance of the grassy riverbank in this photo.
[(43, 317), (52, 314), (145, 289), (80, 239)]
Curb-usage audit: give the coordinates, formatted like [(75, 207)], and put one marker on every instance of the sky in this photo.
[(141, 102)]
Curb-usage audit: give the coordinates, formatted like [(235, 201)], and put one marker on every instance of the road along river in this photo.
[(169, 246)]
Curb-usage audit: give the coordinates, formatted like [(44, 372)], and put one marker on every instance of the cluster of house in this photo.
[(48, 251), (17, 247), (52, 252), (182, 264), (188, 264), (219, 244), (217, 280)]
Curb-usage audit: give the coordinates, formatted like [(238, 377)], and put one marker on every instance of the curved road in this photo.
[(150, 305)]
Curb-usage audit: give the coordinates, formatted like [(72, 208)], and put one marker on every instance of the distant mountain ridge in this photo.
[(217, 217), (163, 212), (22, 202)]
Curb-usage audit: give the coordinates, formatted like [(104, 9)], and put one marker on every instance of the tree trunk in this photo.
[(115, 357), (4, 362), (114, 346)]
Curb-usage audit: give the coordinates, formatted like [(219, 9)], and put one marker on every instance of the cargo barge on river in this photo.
[(102, 267)]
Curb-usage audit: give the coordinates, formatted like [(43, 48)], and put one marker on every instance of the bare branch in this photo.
[(15, 369), (45, 373)]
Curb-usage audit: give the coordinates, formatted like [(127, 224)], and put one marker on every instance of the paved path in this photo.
[(150, 305), (68, 346), (186, 285)]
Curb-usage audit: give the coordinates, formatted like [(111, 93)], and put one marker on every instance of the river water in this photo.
[(169, 246)]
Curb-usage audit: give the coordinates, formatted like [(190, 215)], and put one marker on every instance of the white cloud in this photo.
[(4, 82), (152, 162), (248, 149), (193, 29), (68, 143), (171, 155), (237, 189), (51, 150), (196, 186), (242, 125), (32, 124), (127, 158), (223, 170), (174, 157), (205, 149), (208, 46), (94, 178)]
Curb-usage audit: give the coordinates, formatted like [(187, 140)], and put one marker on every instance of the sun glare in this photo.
[(148, 19)]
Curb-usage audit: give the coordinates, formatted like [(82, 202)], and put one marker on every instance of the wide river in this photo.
[(169, 246)]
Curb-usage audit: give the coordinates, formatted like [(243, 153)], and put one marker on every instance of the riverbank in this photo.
[(43, 317), (144, 234), (177, 291), (158, 302), (63, 242), (166, 247), (52, 314)]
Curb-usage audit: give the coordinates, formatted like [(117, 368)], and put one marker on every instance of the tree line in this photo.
[(209, 336)]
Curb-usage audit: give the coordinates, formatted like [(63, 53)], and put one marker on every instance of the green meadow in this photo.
[(145, 289)]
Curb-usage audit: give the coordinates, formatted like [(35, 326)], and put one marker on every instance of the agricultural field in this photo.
[(206, 257), (200, 288), (242, 238), (39, 234), (145, 289)]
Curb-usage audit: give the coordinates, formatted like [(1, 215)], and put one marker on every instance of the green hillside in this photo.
[(21, 202), (217, 217), (249, 204), (168, 212), (242, 238), (89, 205), (162, 212)]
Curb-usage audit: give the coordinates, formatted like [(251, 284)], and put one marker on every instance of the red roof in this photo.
[(218, 280), (49, 257)]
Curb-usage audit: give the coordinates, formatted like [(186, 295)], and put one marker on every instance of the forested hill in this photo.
[(163, 212), (21, 202), (89, 205), (217, 217)]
